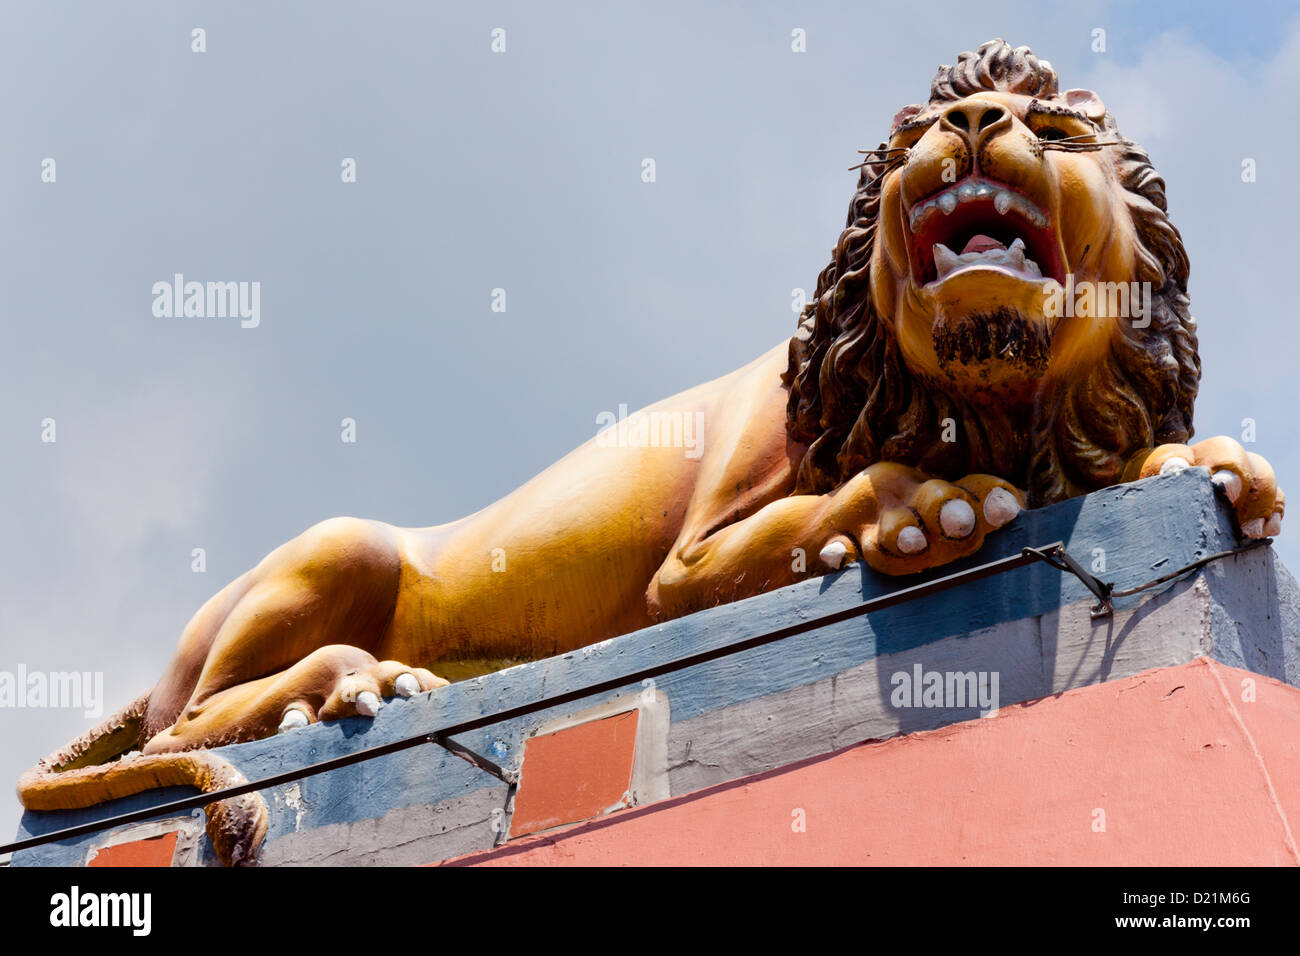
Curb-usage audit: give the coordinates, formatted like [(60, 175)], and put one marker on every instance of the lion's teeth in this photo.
[(945, 260), (921, 213), (1012, 258), (1003, 201)]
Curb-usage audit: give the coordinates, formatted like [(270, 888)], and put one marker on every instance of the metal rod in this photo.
[(1059, 558)]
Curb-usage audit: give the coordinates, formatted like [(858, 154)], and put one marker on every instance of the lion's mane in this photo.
[(854, 401)]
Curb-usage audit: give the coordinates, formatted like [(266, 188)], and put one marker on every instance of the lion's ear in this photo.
[(902, 116), (1086, 102)]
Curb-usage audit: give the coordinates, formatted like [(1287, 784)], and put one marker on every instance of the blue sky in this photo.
[(479, 171)]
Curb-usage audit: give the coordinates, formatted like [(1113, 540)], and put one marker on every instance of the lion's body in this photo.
[(569, 557), (928, 353)]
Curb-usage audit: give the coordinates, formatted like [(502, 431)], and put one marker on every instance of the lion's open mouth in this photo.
[(981, 224)]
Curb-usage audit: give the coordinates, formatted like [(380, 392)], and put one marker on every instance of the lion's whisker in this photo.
[(874, 162), (893, 154), (1078, 147), (894, 163)]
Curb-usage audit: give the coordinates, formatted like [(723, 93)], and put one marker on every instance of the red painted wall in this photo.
[(1175, 766)]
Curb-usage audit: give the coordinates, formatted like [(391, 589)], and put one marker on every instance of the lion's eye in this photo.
[(910, 134), (905, 140), (1050, 133)]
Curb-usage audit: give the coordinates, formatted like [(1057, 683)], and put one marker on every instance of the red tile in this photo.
[(575, 774), (154, 851)]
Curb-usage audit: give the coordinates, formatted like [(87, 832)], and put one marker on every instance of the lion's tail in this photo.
[(91, 770)]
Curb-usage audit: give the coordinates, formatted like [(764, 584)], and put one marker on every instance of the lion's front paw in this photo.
[(899, 521), (1244, 478), (360, 692)]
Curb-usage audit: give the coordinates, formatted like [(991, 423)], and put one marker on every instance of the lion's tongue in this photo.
[(981, 243)]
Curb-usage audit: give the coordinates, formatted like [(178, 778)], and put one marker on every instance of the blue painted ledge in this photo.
[(806, 695)]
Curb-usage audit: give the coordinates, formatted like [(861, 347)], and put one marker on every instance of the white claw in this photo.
[(1000, 507), (293, 719), (367, 704), (834, 554), (1273, 526), (406, 685), (957, 518), (1253, 528), (1230, 482), (911, 540), (1175, 464)]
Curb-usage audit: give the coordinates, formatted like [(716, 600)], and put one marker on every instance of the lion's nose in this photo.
[(975, 120)]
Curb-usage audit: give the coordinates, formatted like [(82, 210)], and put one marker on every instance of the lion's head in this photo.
[(948, 332)]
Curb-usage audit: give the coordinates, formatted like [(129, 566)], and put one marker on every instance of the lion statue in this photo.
[(967, 354)]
